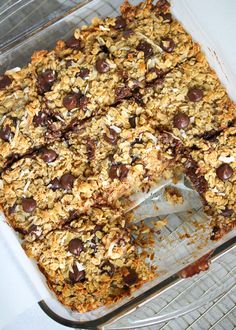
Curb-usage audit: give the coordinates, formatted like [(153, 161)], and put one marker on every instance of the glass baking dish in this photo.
[(176, 250)]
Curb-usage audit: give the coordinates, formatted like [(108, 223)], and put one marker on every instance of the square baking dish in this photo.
[(180, 243)]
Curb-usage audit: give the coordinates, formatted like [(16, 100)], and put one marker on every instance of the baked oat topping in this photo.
[(86, 259), (81, 77), (219, 176)]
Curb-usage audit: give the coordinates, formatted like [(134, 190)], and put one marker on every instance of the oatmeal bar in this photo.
[(92, 263), (100, 66), (98, 164), (212, 170), (29, 187), (191, 103)]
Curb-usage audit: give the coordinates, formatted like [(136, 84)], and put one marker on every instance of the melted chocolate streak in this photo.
[(198, 181)]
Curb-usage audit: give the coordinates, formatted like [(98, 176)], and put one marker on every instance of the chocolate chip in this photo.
[(134, 158), (74, 43), (215, 232), (73, 124), (83, 102), (68, 63), (224, 172), (55, 184), (122, 93), (76, 275), (4, 81), (167, 17), (5, 133), (136, 141), (98, 228), (70, 101), (28, 204), (104, 49), (167, 45), (21, 231), (227, 212), (145, 47), (111, 158), (75, 246), (113, 172), (210, 135), (40, 119), (181, 120), (215, 229), (33, 229), (195, 94), (12, 158), (90, 146), (127, 33), (94, 246), (108, 268), (84, 73), (14, 120), (73, 214), (49, 76), (118, 172), (132, 121), (112, 137), (131, 278), (155, 82), (48, 155), (157, 79), (120, 23), (45, 80), (12, 209), (67, 181), (138, 97), (162, 5), (102, 66)]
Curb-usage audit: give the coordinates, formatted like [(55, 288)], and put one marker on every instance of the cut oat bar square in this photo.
[(212, 169), (92, 263), (191, 102)]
